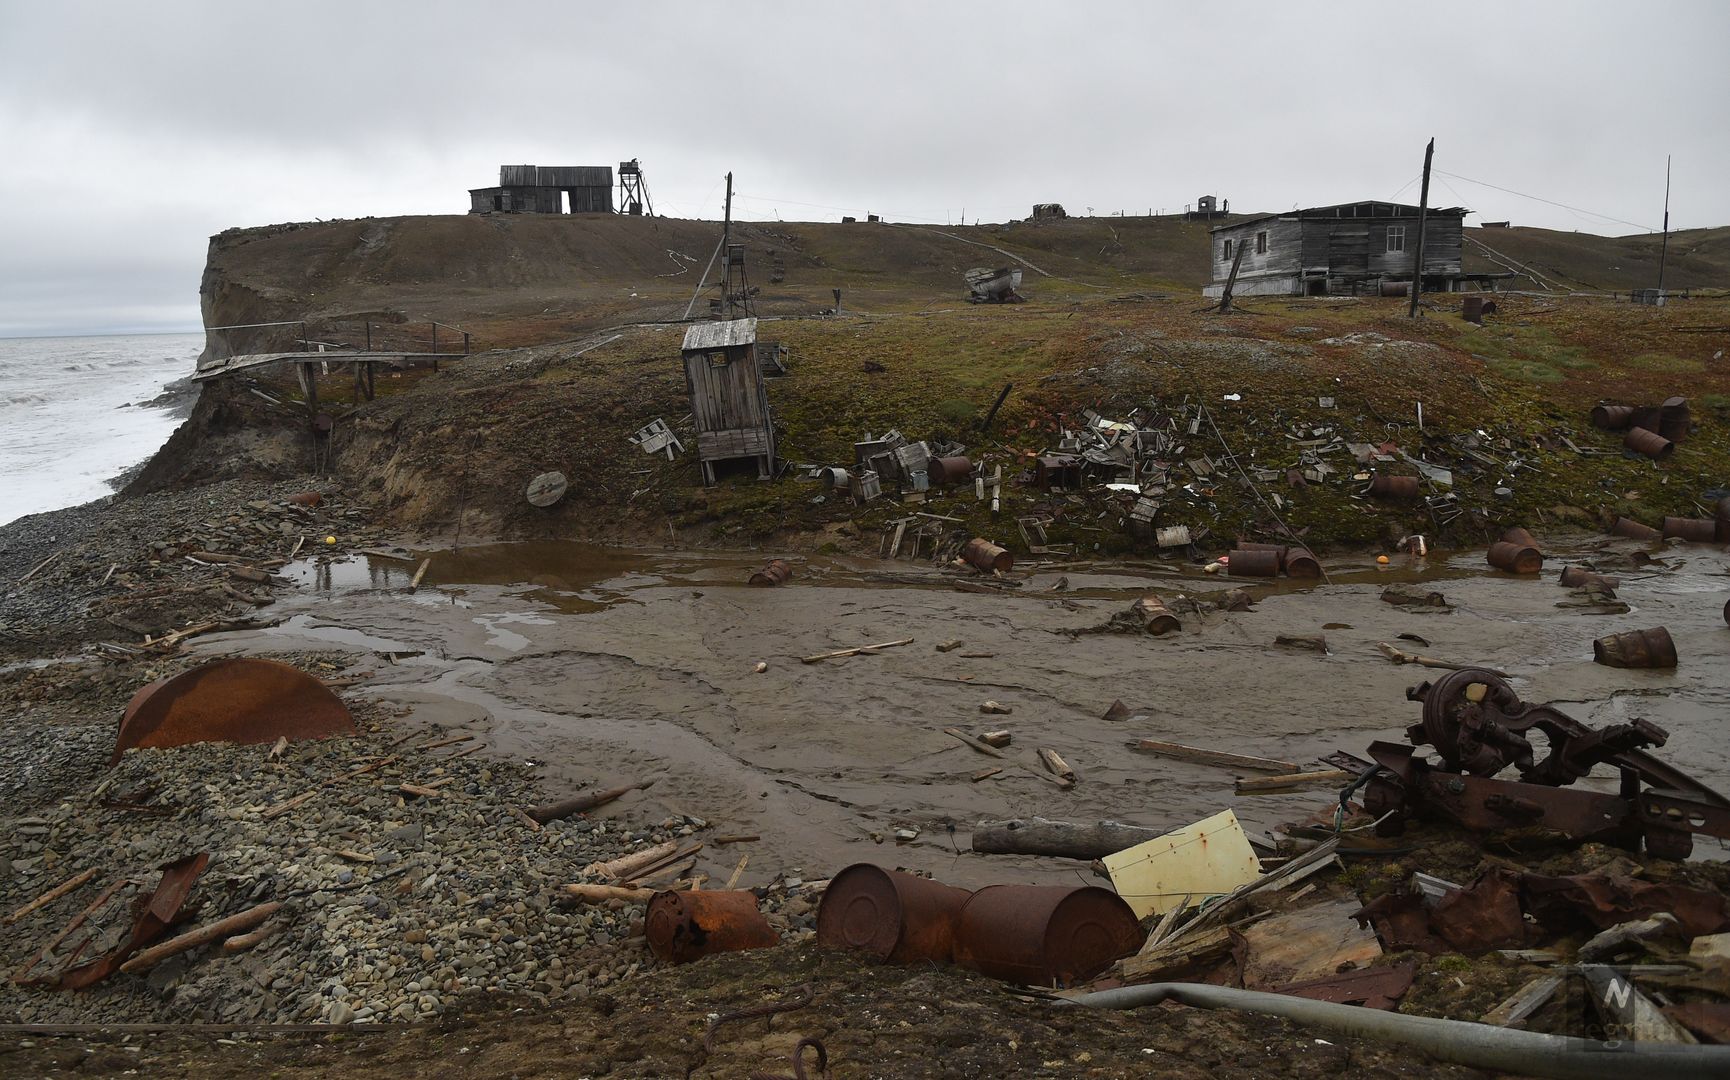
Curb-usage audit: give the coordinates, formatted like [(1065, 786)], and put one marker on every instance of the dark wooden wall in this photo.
[(729, 403)]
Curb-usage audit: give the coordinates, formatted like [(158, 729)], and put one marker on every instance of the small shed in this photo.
[(729, 401)]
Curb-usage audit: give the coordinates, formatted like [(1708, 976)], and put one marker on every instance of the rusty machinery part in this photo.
[(987, 557), (1479, 726), (1515, 558), (1041, 935), (799, 1073), (1693, 530), (1630, 529), (1650, 443), (686, 926), (1403, 488), (890, 916), (1300, 563), (776, 573), (1652, 648), (238, 700), (944, 471), (1574, 577), (1251, 562)]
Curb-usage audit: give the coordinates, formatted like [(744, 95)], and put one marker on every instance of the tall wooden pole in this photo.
[(1664, 252), (1423, 213), (726, 251)]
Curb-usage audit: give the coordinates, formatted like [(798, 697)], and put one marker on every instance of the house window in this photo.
[(1396, 238), (1261, 243), (1227, 253)]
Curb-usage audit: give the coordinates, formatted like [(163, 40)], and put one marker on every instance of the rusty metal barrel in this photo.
[(1673, 419), (1041, 935), (1634, 530), (1613, 417), (1693, 530), (1281, 548), (686, 926), (1727, 612), (237, 700), (890, 916), (949, 470), (1155, 616), (1650, 443), (1255, 562), (1636, 649), (1515, 558), (1472, 309), (983, 555), (775, 573), (1403, 488), (1518, 535), (1574, 577), (1300, 563)]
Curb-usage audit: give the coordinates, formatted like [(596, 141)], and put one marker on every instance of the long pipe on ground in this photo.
[(1482, 1046)]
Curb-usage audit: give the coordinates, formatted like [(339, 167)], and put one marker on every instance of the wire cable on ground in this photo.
[(1255, 490)]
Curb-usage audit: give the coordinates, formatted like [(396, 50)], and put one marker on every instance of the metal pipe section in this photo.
[(1481, 1046)]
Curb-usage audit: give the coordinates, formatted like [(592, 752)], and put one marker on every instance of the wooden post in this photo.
[(1231, 280), (369, 337), (1423, 213), (1664, 252)]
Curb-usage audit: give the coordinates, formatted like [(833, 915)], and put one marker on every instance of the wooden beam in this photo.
[(1198, 756)]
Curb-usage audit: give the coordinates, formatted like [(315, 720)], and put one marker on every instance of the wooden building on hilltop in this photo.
[(547, 189), (1350, 249), (729, 401)]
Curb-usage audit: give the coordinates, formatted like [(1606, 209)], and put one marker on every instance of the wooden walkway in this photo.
[(331, 356)]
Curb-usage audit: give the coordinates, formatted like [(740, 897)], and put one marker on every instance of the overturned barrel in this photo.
[(985, 556), (890, 916), (775, 573), (686, 926), (1693, 530), (1650, 443), (1518, 535), (1155, 616), (1575, 577), (1634, 530), (1515, 558), (1394, 488), (1044, 935), (1300, 563), (1254, 562), (1612, 417), (834, 477), (949, 470), (1636, 649)]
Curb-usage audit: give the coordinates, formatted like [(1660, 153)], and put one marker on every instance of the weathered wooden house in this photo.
[(1349, 249), (729, 402), (547, 189)]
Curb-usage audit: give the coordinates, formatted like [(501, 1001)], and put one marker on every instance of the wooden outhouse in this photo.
[(729, 402)]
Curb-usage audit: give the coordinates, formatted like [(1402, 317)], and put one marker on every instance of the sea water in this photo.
[(76, 412)]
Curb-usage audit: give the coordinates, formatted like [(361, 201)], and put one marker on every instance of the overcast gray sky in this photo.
[(130, 131)]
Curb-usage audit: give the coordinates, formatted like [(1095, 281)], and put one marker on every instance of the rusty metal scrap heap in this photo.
[(1479, 727)]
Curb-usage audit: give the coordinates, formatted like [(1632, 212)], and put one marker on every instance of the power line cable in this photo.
[(1549, 202)]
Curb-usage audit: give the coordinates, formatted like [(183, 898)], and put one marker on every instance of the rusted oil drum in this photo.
[(1516, 558), (1574, 577), (1517, 535), (1383, 486), (1693, 530), (775, 573), (1673, 419), (949, 470), (1396, 288), (1250, 562), (1636, 649), (1612, 417), (686, 926), (1156, 616), (983, 555), (890, 916), (1233, 600), (1040, 935), (1300, 563), (1634, 530), (1650, 443), (237, 700), (1281, 548), (1472, 309)]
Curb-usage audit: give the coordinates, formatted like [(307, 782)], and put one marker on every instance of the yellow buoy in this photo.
[(1382, 560), (332, 540)]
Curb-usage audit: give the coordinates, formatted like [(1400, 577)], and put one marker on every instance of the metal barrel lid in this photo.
[(240, 700)]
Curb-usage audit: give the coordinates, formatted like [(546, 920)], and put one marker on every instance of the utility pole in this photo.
[(1664, 251), (1423, 212), (727, 222)]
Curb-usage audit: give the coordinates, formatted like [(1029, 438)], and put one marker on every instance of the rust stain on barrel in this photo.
[(890, 916), (686, 926), (775, 573), (1634, 530), (1157, 618), (1637, 649), (239, 700), (1574, 577), (982, 554), (1250, 562), (1041, 935), (1612, 417), (1393, 487), (1515, 558), (1693, 530), (1300, 563), (1650, 443), (949, 470)]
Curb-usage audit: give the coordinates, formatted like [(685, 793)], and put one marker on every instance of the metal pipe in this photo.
[(1482, 1046)]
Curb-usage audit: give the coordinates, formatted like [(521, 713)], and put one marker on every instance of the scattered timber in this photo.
[(866, 649), (1064, 839), (1399, 657), (1293, 781), (600, 894), (1055, 763), (222, 928), (972, 743), (52, 895), (588, 800), (629, 865), (1199, 756)]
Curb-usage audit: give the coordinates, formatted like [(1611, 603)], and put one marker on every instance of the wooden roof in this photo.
[(720, 335), (1351, 211)]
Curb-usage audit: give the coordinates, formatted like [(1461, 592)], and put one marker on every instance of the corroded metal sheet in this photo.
[(238, 700)]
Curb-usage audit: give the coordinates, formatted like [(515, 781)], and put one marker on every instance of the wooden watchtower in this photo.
[(728, 399)]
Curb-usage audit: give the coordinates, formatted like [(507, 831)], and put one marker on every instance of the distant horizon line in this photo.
[(104, 333)]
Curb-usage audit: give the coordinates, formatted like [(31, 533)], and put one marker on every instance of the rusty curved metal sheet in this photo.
[(239, 700), (158, 913)]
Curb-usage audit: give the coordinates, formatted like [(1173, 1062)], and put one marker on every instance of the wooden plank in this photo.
[(972, 743), (1199, 756), (1292, 781), (1307, 944), (1527, 1000)]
